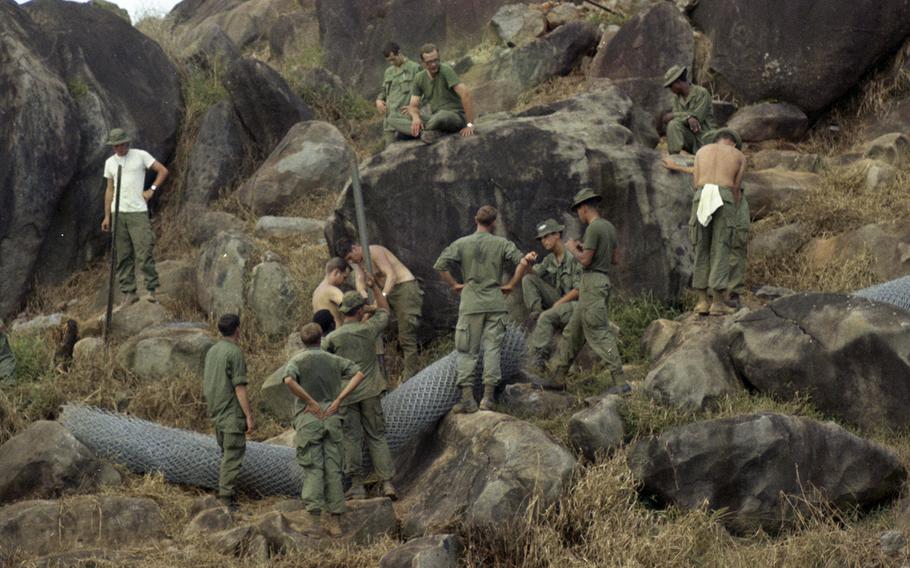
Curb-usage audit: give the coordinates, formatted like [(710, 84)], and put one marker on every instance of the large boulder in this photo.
[(776, 190), (273, 299), (434, 551), (892, 148), (803, 53), (792, 160), (851, 356), (216, 160), (210, 48), (166, 350), (597, 429), (221, 272), (764, 469), (300, 228), (421, 198), (312, 157), (44, 460), (104, 522), (779, 242), (637, 57), (176, 280), (518, 24), (205, 224), (265, 103), (888, 244), (479, 469), (127, 321), (769, 121)]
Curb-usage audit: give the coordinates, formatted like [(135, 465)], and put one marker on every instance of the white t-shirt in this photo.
[(135, 163)]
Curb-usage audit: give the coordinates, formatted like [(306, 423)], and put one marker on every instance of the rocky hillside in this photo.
[(776, 436)]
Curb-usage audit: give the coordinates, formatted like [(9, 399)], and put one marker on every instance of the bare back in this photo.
[(720, 164), (328, 297), (384, 263)]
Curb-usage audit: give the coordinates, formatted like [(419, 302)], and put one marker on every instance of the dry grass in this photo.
[(551, 90)]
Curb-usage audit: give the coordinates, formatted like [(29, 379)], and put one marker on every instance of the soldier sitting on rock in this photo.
[(451, 106), (315, 378), (690, 125), (395, 93)]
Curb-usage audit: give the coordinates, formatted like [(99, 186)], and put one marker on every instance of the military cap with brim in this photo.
[(117, 136), (584, 196), (351, 301), (673, 74), (731, 132), (549, 226)]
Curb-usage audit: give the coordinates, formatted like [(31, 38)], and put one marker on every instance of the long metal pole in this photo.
[(108, 314)]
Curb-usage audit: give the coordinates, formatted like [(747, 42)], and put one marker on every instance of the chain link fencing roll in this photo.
[(896, 292), (190, 458)]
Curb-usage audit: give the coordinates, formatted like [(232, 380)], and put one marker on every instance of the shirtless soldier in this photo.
[(399, 287), (327, 296)]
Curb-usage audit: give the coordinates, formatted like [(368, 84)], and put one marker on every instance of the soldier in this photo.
[(551, 290), (690, 125), (400, 289), (395, 94), (328, 294), (451, 106), (224, 389), (356, 340), (315, 378), (482, 309), (135, 238), (590, 319)]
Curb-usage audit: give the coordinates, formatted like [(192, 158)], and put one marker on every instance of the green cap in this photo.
[(351, 301), (544, 228), (117, 136), (731, 132), (673, 74), (586, 194)]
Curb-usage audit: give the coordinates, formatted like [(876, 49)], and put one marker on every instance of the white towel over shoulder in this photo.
[(709, 203)]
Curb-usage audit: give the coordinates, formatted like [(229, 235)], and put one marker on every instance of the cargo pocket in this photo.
[(462, 338)]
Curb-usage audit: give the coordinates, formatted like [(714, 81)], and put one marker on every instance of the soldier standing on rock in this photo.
[(395, 94), (356, 340), (551, 290), (224, 389), (135, 238), (482, 309), (590, 319), (691, 122), (451, 106), (315, 378)]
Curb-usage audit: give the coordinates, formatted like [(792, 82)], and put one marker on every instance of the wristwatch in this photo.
[(470, 125), (154, 187)]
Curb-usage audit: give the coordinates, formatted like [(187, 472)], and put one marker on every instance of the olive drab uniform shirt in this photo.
[(321, 375), (438, 91), (225, 369), (480, 257), (356, 341), (600, 236), (697, 104), (565, 276), (396, 85)]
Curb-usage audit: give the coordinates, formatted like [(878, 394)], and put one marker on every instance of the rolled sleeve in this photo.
[(512, 254), (448, 258), (238, 376)]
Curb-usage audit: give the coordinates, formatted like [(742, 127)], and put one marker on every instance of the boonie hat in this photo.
[(731, 132), (117, 136), (351, 301), (549, 226), (586, 194), (673, 73)]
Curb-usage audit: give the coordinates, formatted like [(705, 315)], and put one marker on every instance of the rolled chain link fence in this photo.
[(191, 458), (896, 292)]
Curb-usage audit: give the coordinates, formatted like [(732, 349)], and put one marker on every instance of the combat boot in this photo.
[(486, 403), (331, 525), (467, 405), (230, 502), (128, 299), (356, 490), (719, 306), (701, 307), (389, 490)]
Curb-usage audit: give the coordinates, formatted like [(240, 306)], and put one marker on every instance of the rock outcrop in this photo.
[(166, 350), (769, 121), (216, 160), (221, 272), (597, 429), (888, 245)]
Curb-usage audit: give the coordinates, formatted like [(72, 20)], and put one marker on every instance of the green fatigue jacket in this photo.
[(697, 104), (600, 236), (438, 91), (225, 368), (565, 276), (396, 85), (321, 375), (357, 341), (7, 359), (480, 257)]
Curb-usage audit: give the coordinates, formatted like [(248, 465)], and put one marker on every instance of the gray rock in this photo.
[(748, 464), (313, 156), (221, 272), (563, 13), (658, 338), (888, 243), (106, 522), (892, 543), (293, 532), (165, 351), (204, 225), (773, 292), (588, 140), (780, 242), (265, 103), (89, 352), (769, 121), (877, 175), (38, 324), (44, 460), (637, 57), (273, 299), (478, 468), (210, 48), (216, 160), (526, 400), (890, 148), (518, 24), (775, 190), (297, 227), (208, 521), (293, 344), (435, 551), (786, 160), (176, 285), (851, 356), (598, 429), (127, 321), (796, 52), (320, 78)]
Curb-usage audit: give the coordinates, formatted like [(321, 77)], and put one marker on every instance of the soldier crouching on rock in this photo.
[(451, 106), (315, 378), (690, 124)]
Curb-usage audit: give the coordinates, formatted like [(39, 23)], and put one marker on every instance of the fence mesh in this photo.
[(896, 292)]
